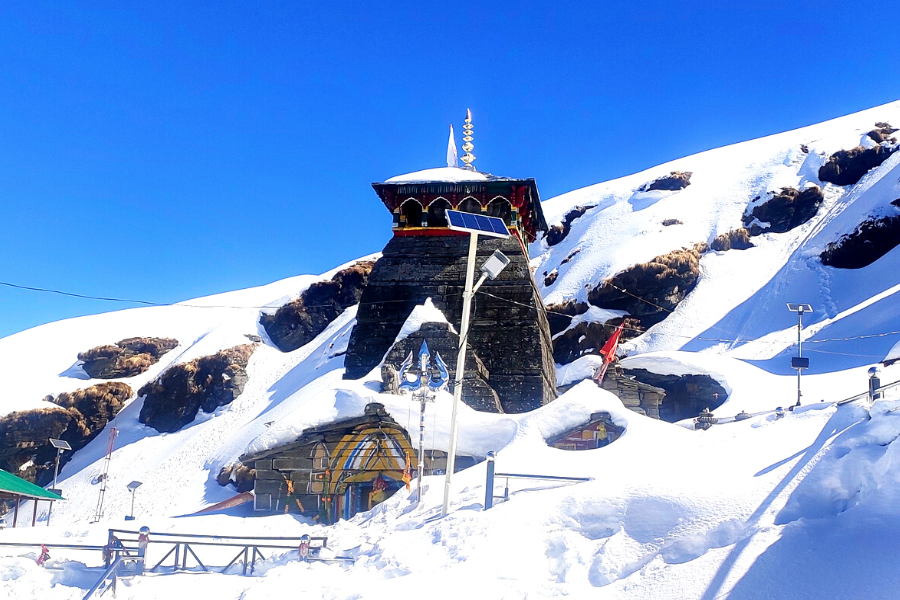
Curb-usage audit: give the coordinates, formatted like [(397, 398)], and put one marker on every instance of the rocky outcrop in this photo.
[(847, 167), (674, 181), (558, 233), (737, 239), (882, 133), (296, 323), (588, 337), (125, 358), (550, 278), (173, 400), (686, 395), (670, 222), (237, 474), (650, 291), (784, 211), (559, 316), (870, 241), (77, 418)]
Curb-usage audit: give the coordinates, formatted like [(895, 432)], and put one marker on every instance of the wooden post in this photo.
[(34, 514), (16, 512)]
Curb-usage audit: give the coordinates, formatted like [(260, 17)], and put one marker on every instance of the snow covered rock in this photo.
[(874, 238), (126, 358), (25, 447), (674, 181), (652, 289), (298, 322), (847, 167), (173, 401), (784, 210)]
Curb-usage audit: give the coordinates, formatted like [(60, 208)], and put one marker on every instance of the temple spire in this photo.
[(468, 157), (451, 150)]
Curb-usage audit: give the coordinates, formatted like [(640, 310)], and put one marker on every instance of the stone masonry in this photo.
[(509, 330)]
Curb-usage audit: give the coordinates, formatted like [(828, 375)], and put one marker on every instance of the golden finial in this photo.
[(468, 157)]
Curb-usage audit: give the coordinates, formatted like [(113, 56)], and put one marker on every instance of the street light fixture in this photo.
[(798, 362), (473, 225), (132, 487), (60, 445)]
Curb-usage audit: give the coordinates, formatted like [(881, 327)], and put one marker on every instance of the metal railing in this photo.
[(184, 545), (108, 580), (489, 496)]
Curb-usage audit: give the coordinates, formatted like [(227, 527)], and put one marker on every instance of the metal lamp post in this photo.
[(132, 487), (60, 445), (473, 225), (798, 362)]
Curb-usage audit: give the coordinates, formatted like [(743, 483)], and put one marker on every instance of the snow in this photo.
[(738, 306), (802, 506), (421, 314), (448, 174), (893, 353)]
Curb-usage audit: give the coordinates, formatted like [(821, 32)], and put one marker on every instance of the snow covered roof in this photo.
[(444, 175)]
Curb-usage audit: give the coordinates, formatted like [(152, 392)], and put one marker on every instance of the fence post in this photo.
[(489, 484), (874, 384), (107, 554)]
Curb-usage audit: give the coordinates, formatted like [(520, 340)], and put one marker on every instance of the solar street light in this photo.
[(493, 265), (798, 362), (60, 445), (132, 487), (474, 225)]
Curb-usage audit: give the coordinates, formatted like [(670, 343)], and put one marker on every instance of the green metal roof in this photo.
[(11, 484)]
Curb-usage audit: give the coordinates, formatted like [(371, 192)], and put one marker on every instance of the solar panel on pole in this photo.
[(480, 224)]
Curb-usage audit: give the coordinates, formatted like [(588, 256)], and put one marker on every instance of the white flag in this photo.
[(451, 150)]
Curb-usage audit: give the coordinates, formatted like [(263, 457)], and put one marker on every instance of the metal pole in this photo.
[(460, 367), (132, 502), (489, 483), (56, 472), (421, 449), (799, 349)]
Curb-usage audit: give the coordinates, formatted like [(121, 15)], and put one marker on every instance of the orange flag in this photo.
[(609, 348), (407, 472)]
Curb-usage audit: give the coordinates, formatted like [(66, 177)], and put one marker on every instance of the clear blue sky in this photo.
[(164, 152)]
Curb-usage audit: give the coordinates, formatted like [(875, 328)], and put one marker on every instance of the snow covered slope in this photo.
[(741, 294), (768, 507)]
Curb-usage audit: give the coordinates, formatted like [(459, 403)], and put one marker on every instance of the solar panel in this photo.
[(463, 221)]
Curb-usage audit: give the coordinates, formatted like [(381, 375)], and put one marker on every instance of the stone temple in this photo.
[(511, 367)]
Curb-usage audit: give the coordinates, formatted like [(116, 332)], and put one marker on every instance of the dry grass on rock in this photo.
[(649, 291), (736, 239), (296, 323), (126, 358), (77, 418), (173, 400)]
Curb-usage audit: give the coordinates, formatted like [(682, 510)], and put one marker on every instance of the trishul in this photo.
[(424, 360)]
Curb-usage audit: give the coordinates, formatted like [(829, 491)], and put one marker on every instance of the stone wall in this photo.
[(510, 333), (477, 393)]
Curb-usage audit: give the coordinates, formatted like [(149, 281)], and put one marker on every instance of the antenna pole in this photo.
[(105, 476)]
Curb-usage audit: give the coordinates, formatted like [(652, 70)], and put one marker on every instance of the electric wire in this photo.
[(507, 300)]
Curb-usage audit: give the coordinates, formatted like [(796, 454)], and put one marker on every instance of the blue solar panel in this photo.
[(463, 221)]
